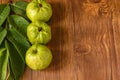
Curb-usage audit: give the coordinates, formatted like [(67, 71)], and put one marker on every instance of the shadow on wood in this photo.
[(58, 38)]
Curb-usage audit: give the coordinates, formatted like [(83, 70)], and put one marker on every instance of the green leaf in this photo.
[(9, 72), (21, 44), (4, 14), (3, 34), (10, 77), (3, 63), (19, 23), (16, 64), (20, 8), (2, 6)]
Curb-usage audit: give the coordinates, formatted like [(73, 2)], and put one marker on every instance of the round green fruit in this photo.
[(39, 10), (38, 57), (39, 32)]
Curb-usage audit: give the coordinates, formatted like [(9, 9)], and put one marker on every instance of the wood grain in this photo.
[(85, 41)]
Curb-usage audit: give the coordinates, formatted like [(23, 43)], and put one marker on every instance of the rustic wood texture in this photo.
[(85, 41)]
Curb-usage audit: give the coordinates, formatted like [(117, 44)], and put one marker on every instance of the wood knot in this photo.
[(99, 9), (82, 49), (95, 1), (105, 9)]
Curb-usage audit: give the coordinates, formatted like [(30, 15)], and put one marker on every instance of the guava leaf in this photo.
[(3, 63), (4, 12), (10, 77), (2, 6), (16, 64), (3, 34), (9, 71), (19, 23), (20, 43), (19, 8)]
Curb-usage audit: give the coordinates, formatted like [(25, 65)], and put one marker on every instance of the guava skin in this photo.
[(39, 32), (39, 10), (38, 57)]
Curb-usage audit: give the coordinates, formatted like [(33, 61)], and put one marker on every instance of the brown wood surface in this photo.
[(85, 41)]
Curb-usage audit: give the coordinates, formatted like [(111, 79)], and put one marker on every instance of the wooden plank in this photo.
[(116, 36), (93, 40)]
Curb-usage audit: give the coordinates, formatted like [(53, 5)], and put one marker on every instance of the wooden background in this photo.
[(85, 41)]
